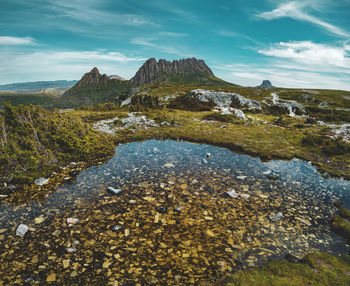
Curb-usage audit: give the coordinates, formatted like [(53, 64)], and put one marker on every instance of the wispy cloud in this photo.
[(7, 40), (233, 34), (50, 65), (312, 56), (173, 34), (299, 10), (160, 47)]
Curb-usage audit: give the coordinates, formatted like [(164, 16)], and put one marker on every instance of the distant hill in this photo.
[(37, 86)]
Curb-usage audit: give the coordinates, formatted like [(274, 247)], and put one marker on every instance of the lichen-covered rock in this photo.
[(225, 99)]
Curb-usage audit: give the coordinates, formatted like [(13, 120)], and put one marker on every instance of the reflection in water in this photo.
[(175, 199)]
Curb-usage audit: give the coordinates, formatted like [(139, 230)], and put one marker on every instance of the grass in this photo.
[(341, 223), (314, 269), (25, 98)]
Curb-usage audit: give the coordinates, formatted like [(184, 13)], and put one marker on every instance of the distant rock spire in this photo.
[(266, 84)]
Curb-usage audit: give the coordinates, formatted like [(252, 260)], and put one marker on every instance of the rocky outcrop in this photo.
[(225, 99), (280, 106), (177, 70), (266, 84), (93, 78)]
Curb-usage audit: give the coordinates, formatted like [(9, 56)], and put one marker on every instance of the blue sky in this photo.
[(292, 43)]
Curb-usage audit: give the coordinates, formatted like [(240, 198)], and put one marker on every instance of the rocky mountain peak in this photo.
[(93, 77), (266, 84), (163, 70)]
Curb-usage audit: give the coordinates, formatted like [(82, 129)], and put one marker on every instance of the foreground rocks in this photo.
[(173, 224)]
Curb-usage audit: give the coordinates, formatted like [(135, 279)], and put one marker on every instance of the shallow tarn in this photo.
[(174, 222)]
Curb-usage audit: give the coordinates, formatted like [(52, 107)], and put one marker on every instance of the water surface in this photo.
[(177, 222)]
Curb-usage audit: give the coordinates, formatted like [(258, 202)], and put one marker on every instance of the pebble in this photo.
[(41, 181), (22, 230), (72, 220), (114, 191), (232, 194), (241, 177), (245, 196), (276, 217)]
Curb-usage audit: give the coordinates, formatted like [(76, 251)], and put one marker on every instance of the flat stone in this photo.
[(232, 194), (51, 277)]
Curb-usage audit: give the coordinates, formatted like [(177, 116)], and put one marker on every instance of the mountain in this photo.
[(37, 86), (92, 78), (93, 88), (266, 84), (189, 70)]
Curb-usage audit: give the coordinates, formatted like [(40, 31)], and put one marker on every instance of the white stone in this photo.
[(41, 181), (232, 194), (22, 230), (72, 220)]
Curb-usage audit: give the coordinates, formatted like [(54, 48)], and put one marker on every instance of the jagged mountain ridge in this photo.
[(183, 70)]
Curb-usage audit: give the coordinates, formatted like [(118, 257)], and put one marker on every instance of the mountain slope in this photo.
[(93, 88)]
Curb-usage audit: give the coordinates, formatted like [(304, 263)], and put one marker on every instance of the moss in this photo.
[(141, 102), (36, 141), (327, 145), (341, 226), (314, 269), (228, 118), (345, 213), (190, 103)]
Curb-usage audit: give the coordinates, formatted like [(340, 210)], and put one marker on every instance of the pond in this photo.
[(174, 222)]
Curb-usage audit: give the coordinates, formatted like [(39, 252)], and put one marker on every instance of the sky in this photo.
[(304, 44)]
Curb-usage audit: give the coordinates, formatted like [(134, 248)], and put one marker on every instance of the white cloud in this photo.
[(312, 56), (6, 40), (298, 10), (296, 64), (252, 75), (52, 65)]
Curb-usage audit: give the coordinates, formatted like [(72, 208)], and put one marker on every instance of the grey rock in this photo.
[(276, 217), (225, 99), (114, 191)]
